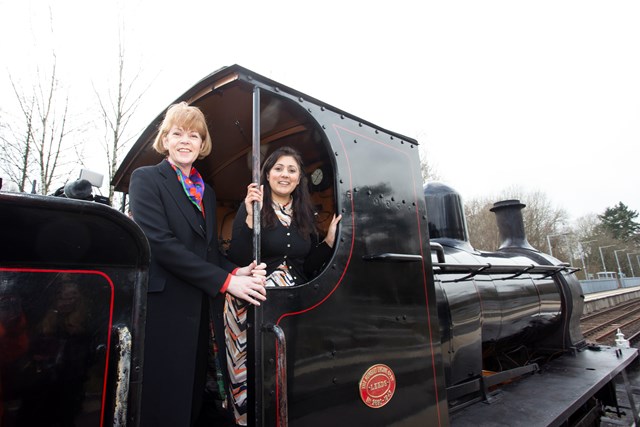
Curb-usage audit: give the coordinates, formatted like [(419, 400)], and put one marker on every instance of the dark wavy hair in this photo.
[(303, 217)]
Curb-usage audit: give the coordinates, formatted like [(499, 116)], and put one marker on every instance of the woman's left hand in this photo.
[(331, 232)]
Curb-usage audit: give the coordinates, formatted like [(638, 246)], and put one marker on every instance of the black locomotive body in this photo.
[(513, 314), (407, 324), (73, 278)]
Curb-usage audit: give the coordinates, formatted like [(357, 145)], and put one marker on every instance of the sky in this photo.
[(541, 96)]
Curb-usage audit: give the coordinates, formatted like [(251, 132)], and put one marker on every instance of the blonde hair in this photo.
[(189, 118)]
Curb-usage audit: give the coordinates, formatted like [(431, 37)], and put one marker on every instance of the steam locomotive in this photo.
[(408, 324)]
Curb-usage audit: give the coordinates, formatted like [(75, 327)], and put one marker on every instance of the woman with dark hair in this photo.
[(290, 246)]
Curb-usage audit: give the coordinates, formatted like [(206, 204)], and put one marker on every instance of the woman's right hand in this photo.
[(248, 288), (254, 194)]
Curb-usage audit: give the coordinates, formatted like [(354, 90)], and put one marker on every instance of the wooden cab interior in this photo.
[(227, 103)]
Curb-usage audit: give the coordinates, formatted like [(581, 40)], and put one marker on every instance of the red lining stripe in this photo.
[(99, 273)]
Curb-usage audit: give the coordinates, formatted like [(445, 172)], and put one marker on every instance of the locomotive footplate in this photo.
[(551, 397)]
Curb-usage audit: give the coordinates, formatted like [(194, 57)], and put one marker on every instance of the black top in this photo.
[(304, 257)]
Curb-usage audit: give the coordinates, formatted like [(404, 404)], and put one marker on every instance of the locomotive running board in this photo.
[(481, 386), (551, 396)]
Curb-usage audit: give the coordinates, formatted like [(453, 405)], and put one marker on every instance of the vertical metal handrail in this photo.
[(255, 171), (282, 414), (124, 370), (254, 317)]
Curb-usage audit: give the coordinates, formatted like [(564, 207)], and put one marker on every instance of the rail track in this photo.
[(601, 327)]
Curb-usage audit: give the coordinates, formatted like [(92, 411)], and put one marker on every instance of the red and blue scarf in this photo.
[(193, 186)]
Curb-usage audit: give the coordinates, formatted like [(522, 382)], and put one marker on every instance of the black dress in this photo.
[(291, 260), (280, 244)]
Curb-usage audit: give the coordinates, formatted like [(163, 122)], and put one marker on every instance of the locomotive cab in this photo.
[(362, 336)]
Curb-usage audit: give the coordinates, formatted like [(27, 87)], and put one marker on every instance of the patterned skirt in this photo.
[(235, 331)]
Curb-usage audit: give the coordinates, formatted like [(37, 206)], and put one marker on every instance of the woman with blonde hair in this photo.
[(177, 212)]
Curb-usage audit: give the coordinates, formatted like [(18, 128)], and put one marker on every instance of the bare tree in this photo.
[(481, 224), (540, 220), (39, 144), (586, 227), (117, 108), (427, 168), (14, 152)]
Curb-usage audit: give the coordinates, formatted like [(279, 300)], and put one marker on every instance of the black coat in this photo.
[(304, 256), (186, 268)]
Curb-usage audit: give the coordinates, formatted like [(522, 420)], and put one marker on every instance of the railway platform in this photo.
[(600, 300), (627, 386)]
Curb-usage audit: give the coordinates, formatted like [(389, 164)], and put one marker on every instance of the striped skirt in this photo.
[(235, 331)]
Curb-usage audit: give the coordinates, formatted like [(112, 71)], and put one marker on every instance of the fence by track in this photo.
[(603, 285)]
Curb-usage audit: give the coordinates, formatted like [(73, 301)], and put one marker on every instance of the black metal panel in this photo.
[(72, 276), (57, 337), (365, 308), (54, 231)]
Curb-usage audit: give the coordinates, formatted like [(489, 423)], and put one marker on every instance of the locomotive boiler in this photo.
[(502, 314), (407, 324), (510, 327)]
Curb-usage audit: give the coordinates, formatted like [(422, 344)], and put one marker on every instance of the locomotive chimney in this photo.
[(511, 225)]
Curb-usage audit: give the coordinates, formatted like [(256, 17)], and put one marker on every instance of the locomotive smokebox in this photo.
[(511, 225)]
